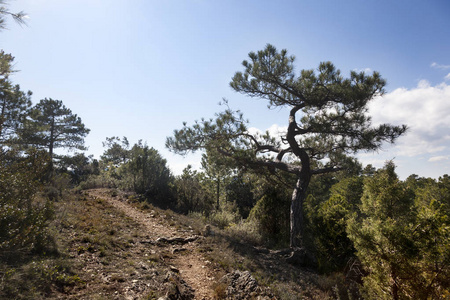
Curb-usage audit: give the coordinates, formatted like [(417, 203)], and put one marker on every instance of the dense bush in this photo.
[(402, 237), (140, 169), (327, 223), (24, 219), (78, 167), (271, 213), (190, 194), (239, 191)]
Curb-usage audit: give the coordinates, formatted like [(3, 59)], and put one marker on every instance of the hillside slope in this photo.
[(112, 246)]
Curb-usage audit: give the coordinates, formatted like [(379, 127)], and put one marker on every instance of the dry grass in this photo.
[(101, 256), (236, 248)]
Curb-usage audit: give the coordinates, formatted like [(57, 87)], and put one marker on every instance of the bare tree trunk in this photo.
[(296, 215), (50, 151), (2, 117), (218, 193)]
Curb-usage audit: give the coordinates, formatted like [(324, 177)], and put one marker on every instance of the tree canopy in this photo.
[(328, 121), (19, 17), (401, 234), (14, 103), (52, 125)]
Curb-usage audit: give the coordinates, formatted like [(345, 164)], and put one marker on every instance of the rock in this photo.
[(282, 252), (242, 285), (176, 240), (177, 288), (261, 250), (147, 242), (177, 250)]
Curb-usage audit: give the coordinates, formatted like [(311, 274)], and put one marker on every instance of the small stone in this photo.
[(176, 250)]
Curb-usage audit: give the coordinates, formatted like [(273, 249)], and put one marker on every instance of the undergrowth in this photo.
[(99, 256)]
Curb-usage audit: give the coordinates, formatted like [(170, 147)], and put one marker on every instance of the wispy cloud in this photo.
[(447, 77), (365, 70), (439, 66), (438, 158)]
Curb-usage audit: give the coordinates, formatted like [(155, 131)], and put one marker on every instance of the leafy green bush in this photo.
[(224, 218), (37, 280), (402, 237), (191, 195), (140, 169), (327, 222), (271, 213), (246, 231), (103, 180), (23, 219)]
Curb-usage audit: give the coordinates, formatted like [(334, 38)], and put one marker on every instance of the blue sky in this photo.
[(139, 68)]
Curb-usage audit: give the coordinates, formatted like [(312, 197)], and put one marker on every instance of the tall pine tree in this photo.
[(14, 103), (327, 122), (52, 125)]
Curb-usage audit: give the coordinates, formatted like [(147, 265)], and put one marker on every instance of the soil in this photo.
[(113, 245), (183, 259)]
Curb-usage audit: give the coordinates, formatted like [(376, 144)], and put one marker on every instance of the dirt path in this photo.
[(185, 258)]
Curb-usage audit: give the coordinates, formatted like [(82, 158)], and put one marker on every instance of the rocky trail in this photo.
[(113, 245), (192, 267)]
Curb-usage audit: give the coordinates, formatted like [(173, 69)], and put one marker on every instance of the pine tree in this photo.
[(52, 125), (402, 237), (327, 123), (14, 103)]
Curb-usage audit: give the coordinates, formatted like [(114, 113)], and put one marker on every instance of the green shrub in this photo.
[(24, 219), (191, 195), (37, 280), (402, 237), (104, 180), (226, 216), (327, 223), (271, 213), (246, 231)]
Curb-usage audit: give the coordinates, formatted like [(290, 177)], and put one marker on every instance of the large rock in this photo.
[(177, 288), (242, 285)]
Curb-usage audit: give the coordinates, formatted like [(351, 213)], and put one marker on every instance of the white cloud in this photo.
[(274, 130), (425, 148), (177, 163), (439, 66), (424, 107), (365, 70), (426, 111), (438, 158), (254, 131)]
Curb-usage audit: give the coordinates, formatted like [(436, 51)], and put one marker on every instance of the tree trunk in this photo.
[(218, 193), (394, 288), (2, 117), (51, 142), (299, 194), (296, 216)]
